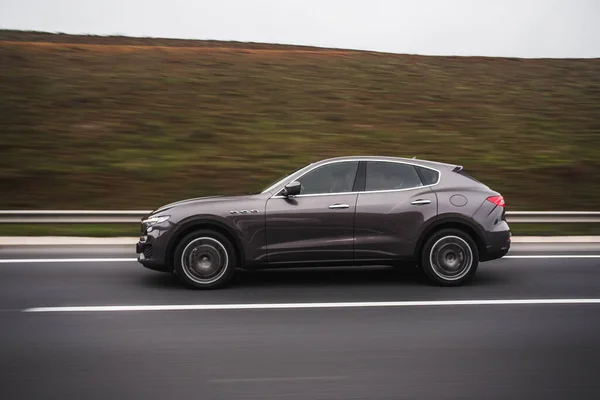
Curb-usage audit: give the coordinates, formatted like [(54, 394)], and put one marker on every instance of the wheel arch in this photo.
[(452, 222), (197, 223)]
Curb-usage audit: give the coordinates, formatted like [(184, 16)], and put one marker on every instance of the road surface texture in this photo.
[(409, 350)]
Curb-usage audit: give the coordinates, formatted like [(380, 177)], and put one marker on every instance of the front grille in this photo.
[(147, 251)]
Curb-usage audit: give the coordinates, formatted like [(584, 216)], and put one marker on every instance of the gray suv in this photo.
[(341, 211)]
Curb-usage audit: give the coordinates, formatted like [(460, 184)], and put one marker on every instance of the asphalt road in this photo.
[(475, 351)]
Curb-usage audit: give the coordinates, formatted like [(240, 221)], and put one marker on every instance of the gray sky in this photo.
[(514, 28)]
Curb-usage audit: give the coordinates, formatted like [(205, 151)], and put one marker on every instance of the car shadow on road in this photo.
[(354, 276), (337, 276), (381, 276), (341, 276)]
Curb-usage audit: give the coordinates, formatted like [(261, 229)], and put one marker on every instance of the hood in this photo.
[(199, 200)]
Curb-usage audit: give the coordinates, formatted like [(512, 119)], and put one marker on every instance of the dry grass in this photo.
[(92, 122)]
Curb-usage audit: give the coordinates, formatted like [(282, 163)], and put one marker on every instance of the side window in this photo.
[(428, 176), (330, 178), (390, 176)]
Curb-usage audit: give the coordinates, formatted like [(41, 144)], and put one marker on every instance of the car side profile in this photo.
[(340, 211)]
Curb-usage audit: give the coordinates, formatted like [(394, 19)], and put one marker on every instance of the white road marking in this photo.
[(63, 260), (555, 239), (274, 306), (279, 379), (556, 256)]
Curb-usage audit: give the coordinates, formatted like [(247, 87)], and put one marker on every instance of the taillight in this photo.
[(497, 200)]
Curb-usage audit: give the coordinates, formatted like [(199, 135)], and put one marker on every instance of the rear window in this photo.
[(428, 176)]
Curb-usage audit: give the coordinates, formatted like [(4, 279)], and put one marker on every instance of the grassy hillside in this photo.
[(92, 122)]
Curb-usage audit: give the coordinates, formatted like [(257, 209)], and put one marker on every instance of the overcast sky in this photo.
[(515, 28)]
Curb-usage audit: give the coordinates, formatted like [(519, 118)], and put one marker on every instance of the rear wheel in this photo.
[(205, 259), (450, 257)]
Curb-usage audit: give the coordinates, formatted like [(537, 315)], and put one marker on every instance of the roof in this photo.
[(415, 161)]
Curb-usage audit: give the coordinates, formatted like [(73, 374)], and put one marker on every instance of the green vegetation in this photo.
[(121, 123), (91, 230)]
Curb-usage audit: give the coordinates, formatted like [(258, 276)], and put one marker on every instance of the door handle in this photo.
[(420, 202), (336, 206)]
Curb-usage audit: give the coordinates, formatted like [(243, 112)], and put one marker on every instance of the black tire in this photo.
[(450, 257), (205, 259)]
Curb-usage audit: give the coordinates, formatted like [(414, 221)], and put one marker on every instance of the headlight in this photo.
[(155, 220)]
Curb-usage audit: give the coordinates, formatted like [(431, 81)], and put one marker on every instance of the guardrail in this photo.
[(129, 217), (70, 217), (543, 217)]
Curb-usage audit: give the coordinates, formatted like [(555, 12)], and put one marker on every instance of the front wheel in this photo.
[(205, 259), (450, 257)]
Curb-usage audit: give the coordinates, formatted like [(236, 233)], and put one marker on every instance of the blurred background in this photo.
[(114, 122)]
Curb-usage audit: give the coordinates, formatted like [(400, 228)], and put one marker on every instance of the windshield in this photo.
[(279, 180)]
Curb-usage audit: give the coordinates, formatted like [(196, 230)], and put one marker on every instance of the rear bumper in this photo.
[(497, 245)]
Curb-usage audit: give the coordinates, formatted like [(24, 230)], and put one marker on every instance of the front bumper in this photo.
[(152, 248), (144, 251)]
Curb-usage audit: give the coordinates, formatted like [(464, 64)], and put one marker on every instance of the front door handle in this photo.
[(336, 206), (420, 202)]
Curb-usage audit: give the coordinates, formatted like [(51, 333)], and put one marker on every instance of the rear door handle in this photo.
[(336, 206), (420, 202)]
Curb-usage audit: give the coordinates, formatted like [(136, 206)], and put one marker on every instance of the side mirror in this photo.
[(291, 189)]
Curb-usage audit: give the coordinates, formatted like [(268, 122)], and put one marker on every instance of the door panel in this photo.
[(311, 228), (387, 224)]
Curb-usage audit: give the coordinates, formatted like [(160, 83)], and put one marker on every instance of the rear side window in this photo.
[(428, 176), (391, 176)]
